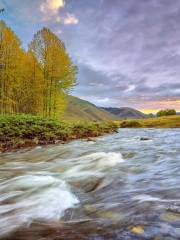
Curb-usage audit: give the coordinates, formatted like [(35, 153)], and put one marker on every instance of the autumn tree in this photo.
[(35, 81), (18, 83), (10, 57), (31, 94), (58, 71)]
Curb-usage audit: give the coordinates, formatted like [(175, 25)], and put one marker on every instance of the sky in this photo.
[(127, 51)]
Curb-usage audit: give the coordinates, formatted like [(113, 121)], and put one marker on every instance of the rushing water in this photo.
[(122, 186)]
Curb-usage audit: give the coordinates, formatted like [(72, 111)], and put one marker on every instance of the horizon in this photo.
[(146, 111), (127, 54)]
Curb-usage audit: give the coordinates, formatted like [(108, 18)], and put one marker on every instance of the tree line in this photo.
[(166, 112), (34, 81)]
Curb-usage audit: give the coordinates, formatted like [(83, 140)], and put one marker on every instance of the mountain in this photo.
[(78, 109), (126, 112)]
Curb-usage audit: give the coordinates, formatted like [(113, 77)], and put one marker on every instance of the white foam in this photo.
[(93, 164), (107, 159), (149, 198), (44, 196), (30, 181), (47, 198)]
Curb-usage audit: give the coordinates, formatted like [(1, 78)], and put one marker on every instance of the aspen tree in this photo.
[(58, 71)]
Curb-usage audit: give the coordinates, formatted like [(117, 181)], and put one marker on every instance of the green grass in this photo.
[(160, 122), (25, 130), (18, 131)]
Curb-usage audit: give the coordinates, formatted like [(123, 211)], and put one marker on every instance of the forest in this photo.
[(34, 81)]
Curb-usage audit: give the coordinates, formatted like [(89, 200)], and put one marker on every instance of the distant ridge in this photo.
[(79, 109), (125, 112)]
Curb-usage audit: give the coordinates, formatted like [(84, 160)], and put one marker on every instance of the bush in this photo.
[(130, 124), (33, 129), (166, 112)]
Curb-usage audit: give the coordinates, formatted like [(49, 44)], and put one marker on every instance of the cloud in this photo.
[(51, 6), (130, 88), (71, 19), (59, 31), (50, 10), (129, 50), (2, 5), (125, 50), (58, 19)]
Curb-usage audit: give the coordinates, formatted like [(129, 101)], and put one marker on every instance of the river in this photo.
[(121, 186)]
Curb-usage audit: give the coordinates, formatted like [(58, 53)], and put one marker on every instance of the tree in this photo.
[(30, 98), (59, 73), (10, 57), (166, 112), (35, 81)]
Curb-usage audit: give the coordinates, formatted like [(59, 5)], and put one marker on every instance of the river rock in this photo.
[(144, 139), (88, 186), (174, 208), (170, 217), (90, 139), (137, 230)]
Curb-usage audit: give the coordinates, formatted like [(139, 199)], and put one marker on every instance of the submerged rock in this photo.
[(137, 230), (144, 139), (174, 208), (90, 139), (88, 186), (170, 217)]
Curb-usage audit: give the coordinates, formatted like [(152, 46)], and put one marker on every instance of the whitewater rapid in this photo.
[(45, 195), (110, 188)]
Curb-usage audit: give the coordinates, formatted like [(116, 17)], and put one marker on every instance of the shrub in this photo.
[(31, 129), (166, 112), (130, 124)]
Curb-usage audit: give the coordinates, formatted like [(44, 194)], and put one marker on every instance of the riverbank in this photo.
[(157, 122), (22, 131)]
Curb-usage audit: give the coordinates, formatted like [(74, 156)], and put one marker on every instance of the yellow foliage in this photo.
[(58, 71), (36, 81)]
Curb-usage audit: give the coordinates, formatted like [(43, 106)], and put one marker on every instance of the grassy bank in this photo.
[(25, 130), (159, 122)]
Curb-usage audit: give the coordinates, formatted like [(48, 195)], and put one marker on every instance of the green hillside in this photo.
[(83, 110), (126, 112)]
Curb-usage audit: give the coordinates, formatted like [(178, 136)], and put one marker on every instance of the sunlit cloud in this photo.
[(70, 19), (51, 11), (51, 6)]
